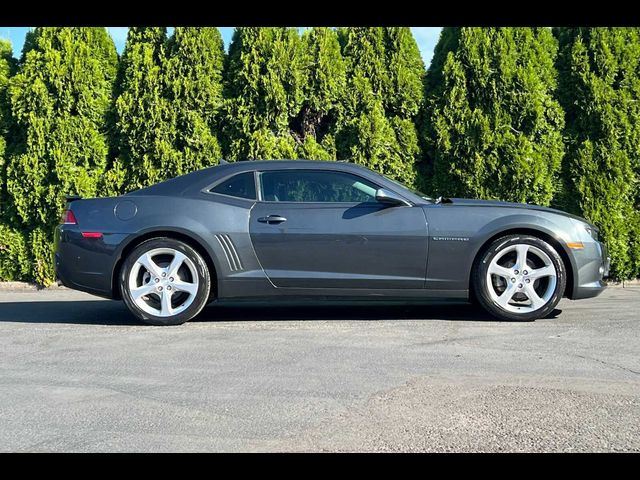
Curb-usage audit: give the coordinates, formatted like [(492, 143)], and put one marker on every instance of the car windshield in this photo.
[(412, 190)]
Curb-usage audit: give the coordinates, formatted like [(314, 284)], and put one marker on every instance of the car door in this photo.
[(324, 229)]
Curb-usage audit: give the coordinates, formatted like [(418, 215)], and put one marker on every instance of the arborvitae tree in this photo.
[(600, 92), (193, 77), (15, 263), (365, 135), (143, 123), (323, 93), (29, 44), (405, 98), (7, 67), (364, 49), (448, 41), (494, 127), (406, 71), (384, 96), (58, 101), (14, 260), (263, 89)]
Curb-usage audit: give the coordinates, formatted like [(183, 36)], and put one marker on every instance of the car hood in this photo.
[(468, 202)]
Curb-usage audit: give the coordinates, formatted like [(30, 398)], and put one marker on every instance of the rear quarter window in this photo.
[(242, 185)]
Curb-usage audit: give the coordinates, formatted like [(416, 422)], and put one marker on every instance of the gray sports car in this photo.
[(320, 230)]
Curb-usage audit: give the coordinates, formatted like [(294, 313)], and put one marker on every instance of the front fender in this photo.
[(458, 235), (558, 232)]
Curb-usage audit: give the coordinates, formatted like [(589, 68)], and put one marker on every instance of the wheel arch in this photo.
[(190, 239), (541, 233)]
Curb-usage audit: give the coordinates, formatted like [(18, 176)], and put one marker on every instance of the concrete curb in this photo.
[(28, 286), (624, 284)]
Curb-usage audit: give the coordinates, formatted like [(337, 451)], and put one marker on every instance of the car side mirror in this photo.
[(390, 198)]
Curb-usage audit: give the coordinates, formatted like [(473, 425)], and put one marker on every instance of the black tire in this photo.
[(203, 289), (481, 287)]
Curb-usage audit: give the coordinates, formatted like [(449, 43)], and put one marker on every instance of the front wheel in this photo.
[(519, 277), (165, 282)]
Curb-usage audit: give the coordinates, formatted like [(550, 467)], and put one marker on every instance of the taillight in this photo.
[(92, 234), (69, 218)]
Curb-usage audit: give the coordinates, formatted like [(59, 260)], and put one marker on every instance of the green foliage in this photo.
[(41, 250), (7, 67), (143, 136), (193, 76), (600, 92), (364, 49), (323, 94), (14, 261), (634, 244), (492, 118), (371, 141), (29, 44), (311, 149), (405, 70), (384, 96), (14, 255), (495, 129), (264, 91), (59, 99)]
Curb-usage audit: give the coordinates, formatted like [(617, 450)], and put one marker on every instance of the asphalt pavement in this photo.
[(80, 374)]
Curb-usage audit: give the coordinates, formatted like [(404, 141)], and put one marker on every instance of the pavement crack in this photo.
[(609, 364)]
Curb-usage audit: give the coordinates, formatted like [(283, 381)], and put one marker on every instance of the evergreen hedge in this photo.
[(384, 96), (14, 260), (522, 114), (263, 85), (600, 93), (59, 98), (493, 124)]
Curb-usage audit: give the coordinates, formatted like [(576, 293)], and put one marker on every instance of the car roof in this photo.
[(251, 165), (194, 182)]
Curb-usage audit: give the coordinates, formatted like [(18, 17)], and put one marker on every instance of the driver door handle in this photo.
[(272, 219)]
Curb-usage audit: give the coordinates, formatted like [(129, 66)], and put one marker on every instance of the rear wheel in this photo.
[(519, 277), (165, 282)]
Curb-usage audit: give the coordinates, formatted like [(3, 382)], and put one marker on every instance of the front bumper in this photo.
[(588, 291), (592, 265)]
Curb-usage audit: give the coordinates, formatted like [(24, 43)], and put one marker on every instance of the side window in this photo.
[(242, 185), (315, 186)]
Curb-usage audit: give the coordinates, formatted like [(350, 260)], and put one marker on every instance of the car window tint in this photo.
[(241, 185), (315, 186)]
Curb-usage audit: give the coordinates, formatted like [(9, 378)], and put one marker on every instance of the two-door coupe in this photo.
[(308, 229)]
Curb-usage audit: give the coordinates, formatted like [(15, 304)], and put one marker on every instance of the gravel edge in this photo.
[(4, 286)]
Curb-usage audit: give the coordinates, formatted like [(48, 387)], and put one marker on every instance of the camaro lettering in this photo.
[(452, 239)]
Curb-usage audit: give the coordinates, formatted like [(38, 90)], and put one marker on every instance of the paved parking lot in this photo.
[(78, 373)]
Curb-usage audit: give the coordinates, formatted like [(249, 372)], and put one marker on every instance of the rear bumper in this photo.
[(85, 264), (67, 279)]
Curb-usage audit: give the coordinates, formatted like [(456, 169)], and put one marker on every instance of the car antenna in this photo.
[(223, 161)]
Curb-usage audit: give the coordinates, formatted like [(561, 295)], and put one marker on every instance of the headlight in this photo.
[(592, 232)]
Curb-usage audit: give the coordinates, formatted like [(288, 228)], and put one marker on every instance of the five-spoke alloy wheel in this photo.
[(165, 282), (519, 277)]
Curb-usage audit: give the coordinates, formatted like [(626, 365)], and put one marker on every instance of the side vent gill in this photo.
[(230, 252)]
